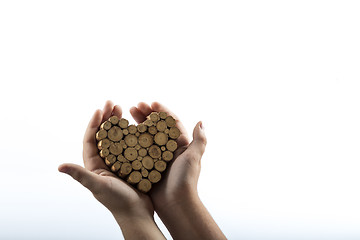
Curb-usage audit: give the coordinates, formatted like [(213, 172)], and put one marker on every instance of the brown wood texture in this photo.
[(139, 153)]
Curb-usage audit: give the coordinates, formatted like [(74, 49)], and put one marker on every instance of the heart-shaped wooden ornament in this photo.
[(139, 154)]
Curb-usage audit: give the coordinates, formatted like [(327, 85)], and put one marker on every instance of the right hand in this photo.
[(115, 194)]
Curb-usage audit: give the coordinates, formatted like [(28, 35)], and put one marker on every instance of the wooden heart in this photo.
[(139, 154)]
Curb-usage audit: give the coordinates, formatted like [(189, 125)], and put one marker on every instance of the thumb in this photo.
[(197, 146), (85, 177)]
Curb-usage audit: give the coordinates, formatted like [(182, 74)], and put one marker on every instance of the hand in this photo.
[(130, 207), (180, 181), (175, 198)]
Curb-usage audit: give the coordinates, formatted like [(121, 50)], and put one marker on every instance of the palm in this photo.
[(113, 191), (181, 172), (112, 183), (177, 181), (116, 191)]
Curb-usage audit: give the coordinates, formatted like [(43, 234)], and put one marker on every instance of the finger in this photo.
[(117, 111), (89, 137), (138, 116), (183, 140), (158, 107), (198, 145), (88, 179), (108, 108), (90, 152), (144, 108)]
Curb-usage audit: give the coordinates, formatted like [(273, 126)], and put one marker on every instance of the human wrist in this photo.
[(138, 226), (182, 201), (189, 219), (131, 216), (178, 216)]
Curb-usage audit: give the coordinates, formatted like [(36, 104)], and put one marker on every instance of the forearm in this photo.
[(139, 227), (190, 220)]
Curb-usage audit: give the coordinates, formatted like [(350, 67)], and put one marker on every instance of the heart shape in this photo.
[(139, 154)]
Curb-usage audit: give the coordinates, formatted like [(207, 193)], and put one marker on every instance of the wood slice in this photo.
[(141, 128), (167, 155), (110, 159), (125, 169), (130, 154), (136, 165), (132, 129), (114, 120), (131, 140), (116, 148), (138, 154), (144, 185), (106, 125), (161, 138), (154, 176), (105, 143), (134, 177), (142, 152), (161, 126), (104, 152), (116, 166), (174, 133), (146, 140), (154, 151), (144, 172), (101, 134), (160, 166), (123, 144), (148, 122), (115, 134), (148, 162), (122, 159), (171, 145), (154, 116), (123, 123), (162, 115), (170, 121), (152, 130)]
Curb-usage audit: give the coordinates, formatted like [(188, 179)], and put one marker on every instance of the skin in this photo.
[(175, 198), (132, 209)]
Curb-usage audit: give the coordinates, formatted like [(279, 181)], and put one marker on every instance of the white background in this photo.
[(276, 84)]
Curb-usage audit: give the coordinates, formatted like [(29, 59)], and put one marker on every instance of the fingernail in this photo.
[(202, 125), (63, 169)]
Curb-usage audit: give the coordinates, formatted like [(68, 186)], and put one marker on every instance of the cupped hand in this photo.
[(115, 194), (181, 178)]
